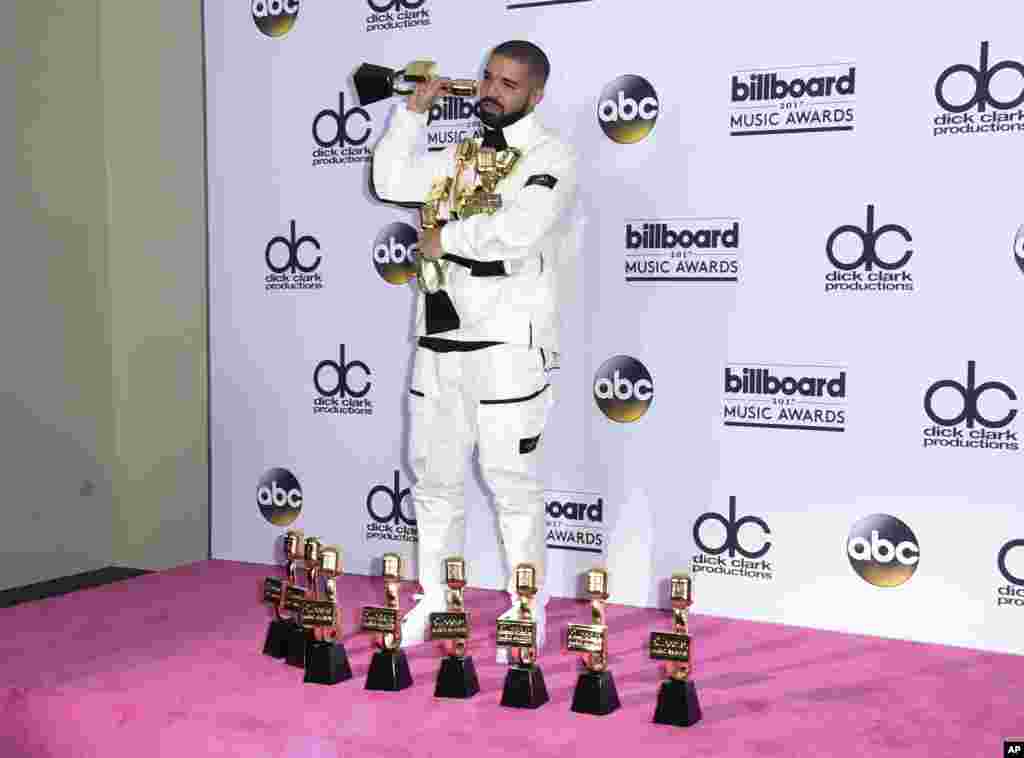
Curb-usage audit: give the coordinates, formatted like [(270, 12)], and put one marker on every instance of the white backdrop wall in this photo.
[(760, 134)]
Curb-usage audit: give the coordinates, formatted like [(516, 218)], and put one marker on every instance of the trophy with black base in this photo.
[(274, 590), (301, 636), (524, 682), (457, 676), (389, 668), (326, 659), (677, 699), (595, 689)]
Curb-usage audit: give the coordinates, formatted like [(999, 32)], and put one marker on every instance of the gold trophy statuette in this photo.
[(678, 704), (457, 676), (375, 83), (595, 689), (524, 681), (389, 668), (295, 596), (326, 659), (275, 592)]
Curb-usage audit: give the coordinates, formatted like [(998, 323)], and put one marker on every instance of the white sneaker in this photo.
[(416, 623), (539, 616)]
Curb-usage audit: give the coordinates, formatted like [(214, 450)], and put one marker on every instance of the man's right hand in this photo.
[(424, 95)]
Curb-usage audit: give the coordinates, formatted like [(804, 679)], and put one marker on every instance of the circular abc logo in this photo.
[(623, 389), (883, 550), (279, 497), (275, 18), (394, 253), (627, 109)]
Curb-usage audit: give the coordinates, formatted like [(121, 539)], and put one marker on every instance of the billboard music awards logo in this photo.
[(394, 253), (682, 250), (279, 496), (982, 99), (391, 515), (869, 259), (972, 415), (341, 135), (452, 120), (575, 521), (393, 15), (275, 18), (628, 109), (1010, 562), (293, 262), (623, 389), (793, 99), (883, 550), (342, 386), (716, 534), (785, 396), (1018, 248)]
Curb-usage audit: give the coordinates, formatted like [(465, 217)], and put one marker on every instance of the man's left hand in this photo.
[(430, 243)]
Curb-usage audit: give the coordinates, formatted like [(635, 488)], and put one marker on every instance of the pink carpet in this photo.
[(169, 664)]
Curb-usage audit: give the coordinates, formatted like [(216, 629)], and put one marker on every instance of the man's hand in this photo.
[(430, 243), (424, 95)]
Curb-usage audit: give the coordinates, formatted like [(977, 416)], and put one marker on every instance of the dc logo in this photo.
[(623, 388), (394, 5), (279, 496), (392, 497), (394, 253), (982, 76), (883, 550), (292, 245), (970, 398), (868, 238), (628, 109), (338, 384), (1004, 553), (341, 134), (275, 18), (732, 530)]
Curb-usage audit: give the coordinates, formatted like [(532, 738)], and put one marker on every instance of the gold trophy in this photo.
[(326, 659), (389, 669), (677, 699), (275, 591), (303, 635), (595, 689), (457, 676), (524, 682), (295, 598), (375, 83)]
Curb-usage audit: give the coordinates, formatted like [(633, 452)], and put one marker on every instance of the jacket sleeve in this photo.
[(511, 232), (399, 174)]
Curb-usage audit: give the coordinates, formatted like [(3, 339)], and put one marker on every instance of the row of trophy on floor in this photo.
[(306, 631)]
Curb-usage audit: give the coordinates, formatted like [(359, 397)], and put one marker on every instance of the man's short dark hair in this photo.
[(528, 54)]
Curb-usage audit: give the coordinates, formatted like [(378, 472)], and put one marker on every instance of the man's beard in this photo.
[(494, 121)]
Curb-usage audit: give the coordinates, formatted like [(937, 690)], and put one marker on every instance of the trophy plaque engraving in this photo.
[(326, 658), (389, 668), (678, 704), (524, 681), (457, 676), (595, 689)]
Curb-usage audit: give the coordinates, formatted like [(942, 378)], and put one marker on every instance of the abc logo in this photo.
[(978, 91), (1001, 562), (279, 497), (868, 239), (338, 384), (623, 389), (970, 402), (286, 259), (384, 504), (732, 526), (1018, 248), (627, 109), (883, 550), (275, 18), (383, 6), (394, 252)]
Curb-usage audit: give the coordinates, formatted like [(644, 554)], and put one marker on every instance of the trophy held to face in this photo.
[(524, 682), (595, 689), (274, 592), (326, 659), (677, 698), (375, 83), (389, 668), (457, 676)]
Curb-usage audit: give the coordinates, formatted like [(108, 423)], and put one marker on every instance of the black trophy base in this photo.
[(298, 639), (457, 678), (524, 687), (677, 703), (326, 663), (595, 693), (276, 644), (389, 671)]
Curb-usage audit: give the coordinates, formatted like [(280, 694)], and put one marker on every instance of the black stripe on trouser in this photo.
[(417, 393), (477, 268), (515, 399)]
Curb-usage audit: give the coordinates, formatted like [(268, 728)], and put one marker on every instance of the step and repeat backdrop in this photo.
[(792, 362)]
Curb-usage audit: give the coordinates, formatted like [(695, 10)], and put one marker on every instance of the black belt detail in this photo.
[(515, 399), (441, 345), (478, 268), (415, 393), (440, 313)]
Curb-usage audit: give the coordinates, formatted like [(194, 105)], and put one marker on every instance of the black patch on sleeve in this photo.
[(543, 180), (528, 445)]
